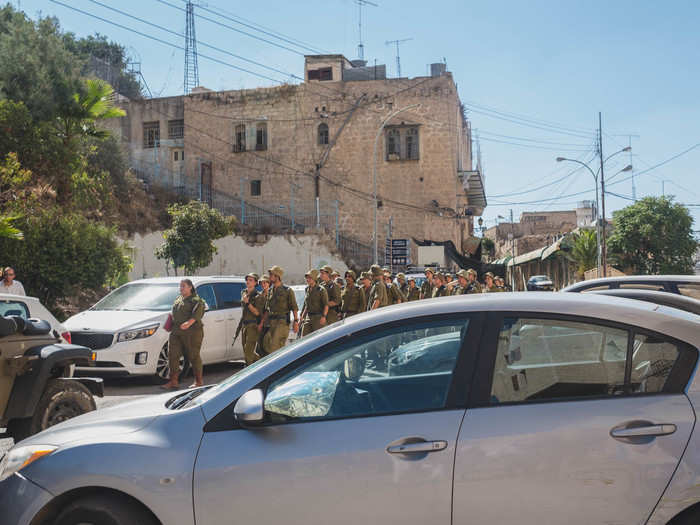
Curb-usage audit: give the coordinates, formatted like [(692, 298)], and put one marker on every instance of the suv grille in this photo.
[(92, 340)]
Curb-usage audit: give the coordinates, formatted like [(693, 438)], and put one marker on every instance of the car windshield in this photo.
[(141, 296), (540, 278)]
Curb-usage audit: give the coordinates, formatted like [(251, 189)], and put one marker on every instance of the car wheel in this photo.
[(104, 510), (62, 400), (163, 365)]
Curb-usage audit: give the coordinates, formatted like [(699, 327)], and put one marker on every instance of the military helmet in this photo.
[(351, 274), (365, 275), (401, 276), (411, 279), (463, 273), (472, 271), (276, 270), (432, 271), (375, 270), (488, 274), (313, 273), (265, 278), (254, 276), (327, 269)]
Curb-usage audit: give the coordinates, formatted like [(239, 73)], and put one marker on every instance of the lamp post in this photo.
[(374, 171), (602, 259)]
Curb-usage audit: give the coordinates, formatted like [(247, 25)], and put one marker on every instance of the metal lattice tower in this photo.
[(361, 47), (398, 56), (191, 68)]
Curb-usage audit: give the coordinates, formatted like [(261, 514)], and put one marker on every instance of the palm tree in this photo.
[(584, 251), (79, 120)]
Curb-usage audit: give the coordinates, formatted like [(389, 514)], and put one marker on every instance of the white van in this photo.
[(126, 329)]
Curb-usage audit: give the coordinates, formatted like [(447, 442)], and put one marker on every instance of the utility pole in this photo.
[(512, 250), (361, 47), (191, 67), (398, 56), (602, 193)]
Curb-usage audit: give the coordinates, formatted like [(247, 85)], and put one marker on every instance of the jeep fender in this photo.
[(29, 387)]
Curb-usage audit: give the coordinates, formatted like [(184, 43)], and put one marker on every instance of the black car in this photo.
[(540, 283)]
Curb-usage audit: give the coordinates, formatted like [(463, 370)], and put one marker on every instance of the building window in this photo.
[(178, 155), (176, 129), (393, 144), (402, 143), (261, 137), (323, 133), (323, 74), (255, 188), (239, 138), (151, 134), (411, 140)]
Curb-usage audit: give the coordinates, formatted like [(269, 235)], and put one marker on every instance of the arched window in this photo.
[(323, 133)]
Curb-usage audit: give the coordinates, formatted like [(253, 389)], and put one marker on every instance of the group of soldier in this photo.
[(268, 313)]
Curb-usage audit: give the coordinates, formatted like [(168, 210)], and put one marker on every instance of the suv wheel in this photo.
[(104, 510), (163, 365)]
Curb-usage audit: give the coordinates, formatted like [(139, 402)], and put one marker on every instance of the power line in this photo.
[(526, 124), (526, 139), (531, 146)]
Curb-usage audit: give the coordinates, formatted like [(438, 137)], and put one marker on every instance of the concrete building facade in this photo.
[(308, 150)]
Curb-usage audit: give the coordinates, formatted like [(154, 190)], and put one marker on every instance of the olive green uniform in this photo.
[(280, 302), (426, 290), (474, 287), (352, 300), (394, 294), (314, 303), (250, 321), (404, 289), (441, 291), (413, 294), (333, 291), (186, 342), (377, 291), (493, 289)]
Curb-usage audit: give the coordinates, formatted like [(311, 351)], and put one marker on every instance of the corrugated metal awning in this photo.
[(552, 248), (526, 257)]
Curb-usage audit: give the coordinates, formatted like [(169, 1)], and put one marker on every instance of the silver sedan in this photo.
[(496, 408)]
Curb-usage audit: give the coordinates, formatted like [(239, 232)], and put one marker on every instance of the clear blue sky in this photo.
[(546, 61)]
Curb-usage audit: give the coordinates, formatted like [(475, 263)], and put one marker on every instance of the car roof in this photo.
[(195, 279), (654, 296), (14, 297), (674, 322), (634, 278)]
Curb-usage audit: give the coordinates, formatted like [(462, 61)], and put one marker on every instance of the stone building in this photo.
[(306, 153)]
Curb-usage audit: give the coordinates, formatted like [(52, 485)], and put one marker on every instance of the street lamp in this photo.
[(374, 157)]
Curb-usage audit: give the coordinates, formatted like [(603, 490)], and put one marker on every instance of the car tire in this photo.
[(104, 510), (689, 516), (163, 366), (62, 399)]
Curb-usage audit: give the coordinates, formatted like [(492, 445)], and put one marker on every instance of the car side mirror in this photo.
[(249, 409)]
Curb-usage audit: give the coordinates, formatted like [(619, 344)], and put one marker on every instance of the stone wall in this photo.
[(237, 256)]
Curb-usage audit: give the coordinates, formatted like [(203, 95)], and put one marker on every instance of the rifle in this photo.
[(240, 322)]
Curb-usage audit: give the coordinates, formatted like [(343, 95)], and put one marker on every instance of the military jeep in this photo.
[(36, 390)]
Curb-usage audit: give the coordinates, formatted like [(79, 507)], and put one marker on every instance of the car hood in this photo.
[(106, 422), (112, 320)]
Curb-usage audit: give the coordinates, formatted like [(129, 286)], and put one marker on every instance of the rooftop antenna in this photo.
[(398, 56), (360, 47), (191, 68)]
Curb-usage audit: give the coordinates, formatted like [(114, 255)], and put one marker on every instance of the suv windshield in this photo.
[(141, 296)]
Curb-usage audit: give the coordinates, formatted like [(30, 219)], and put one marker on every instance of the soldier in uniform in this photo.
[(440, 289), (366, 286), (377, 297), (393, 293), (463, 280), (187, 334), (280, 302), (333, 291), (413, 291), (253, 303), (314, 314), (473, 285), (490, 285), (352, 300), (500, 284), (426, 289), (403, 286)]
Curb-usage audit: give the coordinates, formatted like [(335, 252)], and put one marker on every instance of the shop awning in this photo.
[(552, 248), (526, 257)]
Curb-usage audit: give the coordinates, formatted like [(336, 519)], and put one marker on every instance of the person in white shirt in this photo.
[(9, 285)]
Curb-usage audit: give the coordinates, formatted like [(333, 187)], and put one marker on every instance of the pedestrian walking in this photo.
[(365, 285), (186, 335), (280, 304), (426, 289), (263, 322), (413, 291), (253, 303), (314, 313), (377, 297), (333, 292), (352, 299), (10, 284)]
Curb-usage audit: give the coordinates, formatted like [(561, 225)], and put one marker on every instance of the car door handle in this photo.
[(219, 320), (643, 431), (417, 448)]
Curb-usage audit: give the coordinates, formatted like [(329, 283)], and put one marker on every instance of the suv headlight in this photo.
[(138, 333), (19, 457)]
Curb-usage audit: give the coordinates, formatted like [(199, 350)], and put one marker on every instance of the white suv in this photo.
[(126, 330)]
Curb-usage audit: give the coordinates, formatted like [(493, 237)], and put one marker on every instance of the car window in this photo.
[(399, 369), (206, 292), (548, 359), (17, 308), (228, 295), (652, 362), (659, 287), (690, 290), (140, 296)]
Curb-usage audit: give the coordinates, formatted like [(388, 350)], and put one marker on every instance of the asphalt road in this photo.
[(121, 390)]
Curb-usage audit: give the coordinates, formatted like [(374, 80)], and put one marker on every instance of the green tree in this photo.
[(583, 250), (189, 243), (488, 246), (653, 236)]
